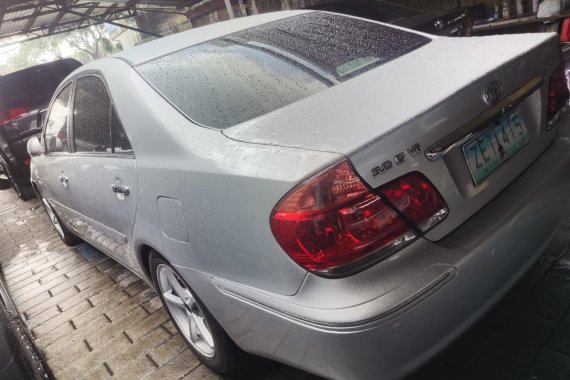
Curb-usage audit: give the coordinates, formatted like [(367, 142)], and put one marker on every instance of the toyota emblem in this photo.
[(493, 91)]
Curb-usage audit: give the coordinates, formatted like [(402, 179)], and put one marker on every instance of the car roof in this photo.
[(33, 86), (166, 45)]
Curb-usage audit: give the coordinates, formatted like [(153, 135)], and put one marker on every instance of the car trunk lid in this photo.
[(384, 120)]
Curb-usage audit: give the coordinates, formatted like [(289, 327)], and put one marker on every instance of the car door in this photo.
[(54, 165), (104, 187)]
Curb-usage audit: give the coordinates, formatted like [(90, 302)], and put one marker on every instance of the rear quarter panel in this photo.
[(227, 189)]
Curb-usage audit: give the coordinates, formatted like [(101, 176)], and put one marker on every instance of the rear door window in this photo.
[(96, 125), (91, 116), (56, 126), (249, 73)]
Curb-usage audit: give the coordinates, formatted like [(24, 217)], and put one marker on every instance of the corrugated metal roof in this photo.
[(36, 18)]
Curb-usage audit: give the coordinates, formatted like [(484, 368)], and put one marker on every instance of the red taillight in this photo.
[(12, 114), (557, 92), (15, 112), (27, 161), (332, 224), (416, 198)]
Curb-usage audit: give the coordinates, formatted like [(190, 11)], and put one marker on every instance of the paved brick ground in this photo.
[(90, 317), (94, 319)]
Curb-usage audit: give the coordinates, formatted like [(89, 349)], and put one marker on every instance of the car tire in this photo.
[(5, 184), (207, 339), (24, 192), (64, 233)]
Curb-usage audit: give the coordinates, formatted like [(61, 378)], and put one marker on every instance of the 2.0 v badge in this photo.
[(399, 159)]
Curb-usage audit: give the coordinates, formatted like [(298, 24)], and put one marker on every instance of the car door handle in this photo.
[(64, 179), (121, 189)]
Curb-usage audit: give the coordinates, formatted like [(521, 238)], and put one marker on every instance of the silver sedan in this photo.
[(337, 194)]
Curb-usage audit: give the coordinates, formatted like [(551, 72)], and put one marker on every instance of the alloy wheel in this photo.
[(185, 310), (53, 218)]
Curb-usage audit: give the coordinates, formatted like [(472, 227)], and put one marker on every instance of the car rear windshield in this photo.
[(244, 75)]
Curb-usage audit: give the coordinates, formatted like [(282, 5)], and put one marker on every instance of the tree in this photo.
[(32, 53), (92, 41), (88, 43)]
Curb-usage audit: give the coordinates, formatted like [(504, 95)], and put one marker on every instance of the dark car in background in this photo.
[(556, 24), (24, 95), (454, 23)]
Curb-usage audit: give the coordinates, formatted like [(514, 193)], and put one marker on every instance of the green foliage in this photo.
[(89, 44), (30, 53)]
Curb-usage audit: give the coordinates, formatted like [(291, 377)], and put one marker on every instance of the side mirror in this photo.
[(35, 148)]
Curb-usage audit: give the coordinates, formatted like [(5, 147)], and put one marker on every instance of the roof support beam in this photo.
[(33, 17), (229, 9), (108, 11), (63, 28), (56, 21), (29, 6), (58, 18), (21, 18), (100, 19), (132, 3), (88, 12)]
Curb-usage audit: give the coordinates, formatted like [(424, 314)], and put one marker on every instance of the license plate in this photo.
[(495, 145)]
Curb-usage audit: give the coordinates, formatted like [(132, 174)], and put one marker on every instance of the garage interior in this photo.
[(91, 318)]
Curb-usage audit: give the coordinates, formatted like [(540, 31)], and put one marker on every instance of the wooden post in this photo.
[(229, 9), (253, 7)]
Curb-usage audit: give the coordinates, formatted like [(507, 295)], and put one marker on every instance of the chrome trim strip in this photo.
[(482, 121), (103, 228), (394, 307)]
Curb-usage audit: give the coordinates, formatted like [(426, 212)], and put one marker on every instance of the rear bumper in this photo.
[(386, 321)]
